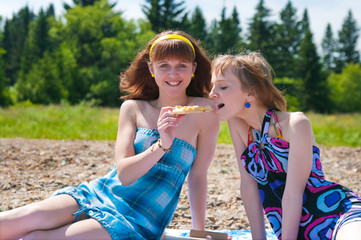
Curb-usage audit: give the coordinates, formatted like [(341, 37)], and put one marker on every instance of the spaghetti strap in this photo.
[(276, 125), (264, 131)]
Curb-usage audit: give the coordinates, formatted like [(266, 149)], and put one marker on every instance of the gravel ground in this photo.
[(32, 169)]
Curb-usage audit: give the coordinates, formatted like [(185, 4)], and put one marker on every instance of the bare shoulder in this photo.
[(299, 120), (199, 101), (203, 102), (128, 104), (132, 106), (294, 125), (291, 119), (204, 120)]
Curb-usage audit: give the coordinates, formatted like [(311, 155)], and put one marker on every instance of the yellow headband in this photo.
[(172, 36)]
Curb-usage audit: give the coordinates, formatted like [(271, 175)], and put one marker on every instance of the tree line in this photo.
[(77, 57)]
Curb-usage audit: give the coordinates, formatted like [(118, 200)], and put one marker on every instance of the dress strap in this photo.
[(250, 135), (264, 133), (266, 123), (276, 125)]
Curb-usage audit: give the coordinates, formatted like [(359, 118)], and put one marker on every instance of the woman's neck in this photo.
[(254, 117)]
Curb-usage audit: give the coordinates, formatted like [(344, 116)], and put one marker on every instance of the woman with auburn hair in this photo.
[(154, 152), (278, 158)]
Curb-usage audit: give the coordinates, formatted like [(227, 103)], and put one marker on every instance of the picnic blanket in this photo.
[(236, 234)]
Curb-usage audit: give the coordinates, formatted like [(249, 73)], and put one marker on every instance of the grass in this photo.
[(337, 129), (94, 123), (57, 122)]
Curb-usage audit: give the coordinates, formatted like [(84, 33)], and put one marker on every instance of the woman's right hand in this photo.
[(167, 124)]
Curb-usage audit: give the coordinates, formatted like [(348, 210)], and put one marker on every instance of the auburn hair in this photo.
[(137, 83)]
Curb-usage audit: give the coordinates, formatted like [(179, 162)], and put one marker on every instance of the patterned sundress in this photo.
[(143, 209), (266, 160)]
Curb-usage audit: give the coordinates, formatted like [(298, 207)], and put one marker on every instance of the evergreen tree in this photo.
[(198, 25), (347, 42), (15, 33), (211, 42), (236, 29), (261, 32), (153, 14), (304, 24), (288, 40), (4, 82), (315, 91), (165, 14), (328, 48), (228, 34), (36, 45), (50, 12), (82, 3)]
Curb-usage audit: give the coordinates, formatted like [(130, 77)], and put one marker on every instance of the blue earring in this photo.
[(248, 105)]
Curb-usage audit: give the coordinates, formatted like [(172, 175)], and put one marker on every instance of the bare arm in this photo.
[(298, 171), (197, 179), (130, 167), (249, 188)]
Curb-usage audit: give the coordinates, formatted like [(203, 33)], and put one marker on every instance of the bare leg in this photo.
[(349, 231), (48, 214), (86, 229)]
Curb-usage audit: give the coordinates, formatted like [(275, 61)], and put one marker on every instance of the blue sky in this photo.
[(321, 12)]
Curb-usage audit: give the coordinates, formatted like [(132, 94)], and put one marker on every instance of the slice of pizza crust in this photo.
[(191, 109)]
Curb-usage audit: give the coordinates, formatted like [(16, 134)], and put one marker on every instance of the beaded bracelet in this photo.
[(161, 147)]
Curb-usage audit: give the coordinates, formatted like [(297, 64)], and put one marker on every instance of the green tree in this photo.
[(228, 33), (346, 89), (37, 41), (304, 24), (198, 25), (15, 33), (37, 44), (165, 14), (288, 39), (347, 43), (82, 3), (211, 42), (95, 44), (41, 84), (328, 48), (5, 99), (315, 91), (260, 32)]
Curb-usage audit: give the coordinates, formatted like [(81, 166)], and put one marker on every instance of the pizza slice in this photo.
[(191, 109)]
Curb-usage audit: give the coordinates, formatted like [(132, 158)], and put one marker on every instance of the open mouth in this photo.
[(173, 83), (220, 106)]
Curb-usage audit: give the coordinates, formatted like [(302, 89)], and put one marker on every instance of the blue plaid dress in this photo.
[(143, 209)]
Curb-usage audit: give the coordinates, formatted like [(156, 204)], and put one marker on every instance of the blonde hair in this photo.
[(255, 74)]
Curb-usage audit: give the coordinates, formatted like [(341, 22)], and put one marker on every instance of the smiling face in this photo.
[(228, 95), (172, 75)]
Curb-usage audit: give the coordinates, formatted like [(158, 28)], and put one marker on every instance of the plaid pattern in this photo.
[(144, 208)]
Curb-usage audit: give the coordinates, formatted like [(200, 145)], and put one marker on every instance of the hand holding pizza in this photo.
[(167, 123), (169, 119)]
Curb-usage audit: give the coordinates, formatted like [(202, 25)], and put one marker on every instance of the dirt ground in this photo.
[(32, 169)]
